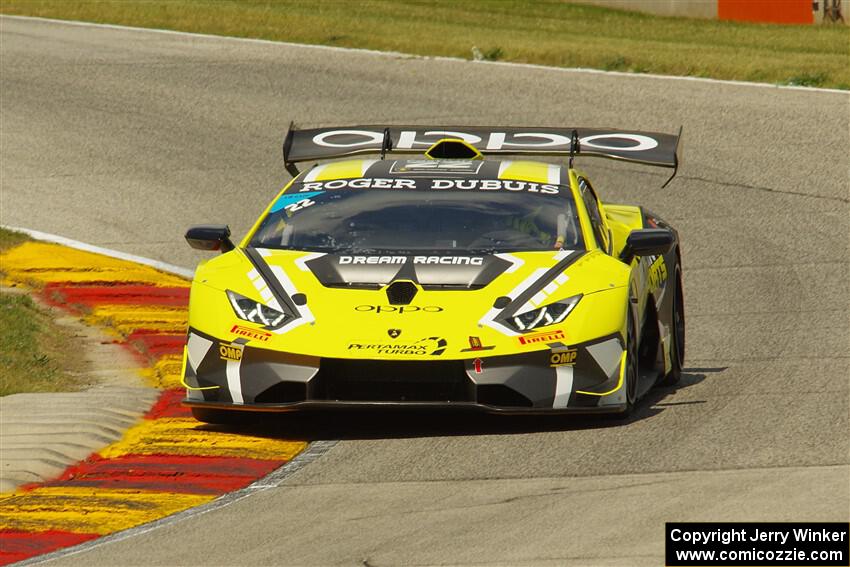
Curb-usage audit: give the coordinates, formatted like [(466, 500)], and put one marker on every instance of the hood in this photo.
[(451, 306)]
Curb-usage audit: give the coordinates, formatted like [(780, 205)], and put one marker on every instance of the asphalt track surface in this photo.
[(124, 138)]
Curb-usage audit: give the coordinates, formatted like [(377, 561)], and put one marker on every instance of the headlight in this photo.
[(250, 310), (547, 315)]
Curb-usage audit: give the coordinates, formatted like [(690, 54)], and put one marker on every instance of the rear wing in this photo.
[(647, 148)]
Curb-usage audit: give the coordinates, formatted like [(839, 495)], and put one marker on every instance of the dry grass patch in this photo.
[(36, 354)]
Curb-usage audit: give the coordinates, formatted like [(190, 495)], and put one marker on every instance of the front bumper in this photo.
[(585, 378), (319, 405)]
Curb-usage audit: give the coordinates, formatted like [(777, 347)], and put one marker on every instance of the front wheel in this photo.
[(677, 336), (631, 371)]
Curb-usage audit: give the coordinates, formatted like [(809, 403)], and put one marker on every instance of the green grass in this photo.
[(36, 355), (10, 239), (548, 32)]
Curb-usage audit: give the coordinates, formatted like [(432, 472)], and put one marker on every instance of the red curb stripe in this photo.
[(168, 405), (166, 473), (155, 344), (183, 476), (16, 545), (110, 293), (200, 464)]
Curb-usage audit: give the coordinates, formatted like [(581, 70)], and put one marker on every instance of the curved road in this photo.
[(124, 138)]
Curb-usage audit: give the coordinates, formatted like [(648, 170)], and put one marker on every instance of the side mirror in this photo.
[(647, 242), (210, 237)]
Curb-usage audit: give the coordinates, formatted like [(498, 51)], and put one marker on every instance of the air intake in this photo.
[(450, 148), (401, 293)]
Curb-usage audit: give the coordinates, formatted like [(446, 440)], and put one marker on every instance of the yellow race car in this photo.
[(442, 279)]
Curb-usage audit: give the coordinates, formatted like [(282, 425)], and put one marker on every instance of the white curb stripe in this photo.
[(396, 54), (47, 237)]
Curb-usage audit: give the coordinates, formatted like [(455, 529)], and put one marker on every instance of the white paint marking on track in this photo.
[(424, 57), (47, 237)]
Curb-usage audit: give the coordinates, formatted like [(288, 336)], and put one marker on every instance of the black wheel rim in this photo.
[(631, 365), (679, 323)]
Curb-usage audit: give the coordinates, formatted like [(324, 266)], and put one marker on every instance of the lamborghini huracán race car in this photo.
[(445, 279)]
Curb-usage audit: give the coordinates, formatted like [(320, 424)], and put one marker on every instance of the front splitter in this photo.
[(339, 405)]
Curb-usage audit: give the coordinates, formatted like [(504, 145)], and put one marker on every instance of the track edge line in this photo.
[(76, 244)]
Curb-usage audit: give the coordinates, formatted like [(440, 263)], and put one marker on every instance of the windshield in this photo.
[(370, 220)]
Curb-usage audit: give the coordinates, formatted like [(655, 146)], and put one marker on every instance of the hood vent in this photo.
[(401, 292)]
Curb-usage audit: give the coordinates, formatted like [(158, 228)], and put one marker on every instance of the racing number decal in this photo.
[(299, 205)]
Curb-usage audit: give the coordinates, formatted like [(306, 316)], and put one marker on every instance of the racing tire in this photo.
[(216, 416), (677, 348), (632, 360)]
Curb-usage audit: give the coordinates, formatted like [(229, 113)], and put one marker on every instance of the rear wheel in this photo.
[(677, 336)]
